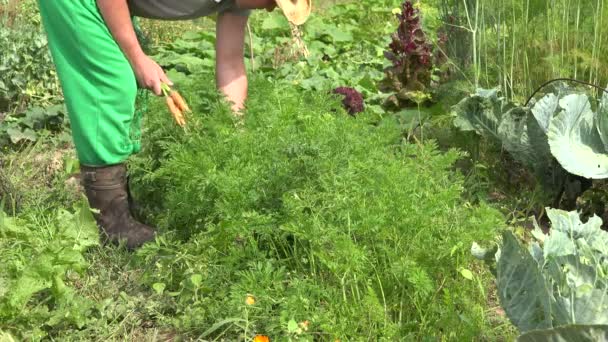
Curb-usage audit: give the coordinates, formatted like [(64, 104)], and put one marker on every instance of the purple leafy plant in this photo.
[(353, 100), (412, 57)]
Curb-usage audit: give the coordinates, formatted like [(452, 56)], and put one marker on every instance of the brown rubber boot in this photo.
[(107, 190)]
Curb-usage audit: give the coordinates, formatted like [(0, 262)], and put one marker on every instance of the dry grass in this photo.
[(9, 11)]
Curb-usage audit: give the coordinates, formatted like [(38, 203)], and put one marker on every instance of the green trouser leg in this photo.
[(98, 82)]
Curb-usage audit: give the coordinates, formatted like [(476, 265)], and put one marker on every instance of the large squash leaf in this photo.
[(574, 140)]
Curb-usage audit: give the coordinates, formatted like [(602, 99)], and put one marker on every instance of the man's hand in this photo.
[(118, 19), (149, 74), (269, 5)]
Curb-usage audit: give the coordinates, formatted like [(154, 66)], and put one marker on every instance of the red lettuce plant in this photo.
[(412, 57), (353, 100)]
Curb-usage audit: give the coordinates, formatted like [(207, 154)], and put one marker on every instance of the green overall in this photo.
[(98, 83)]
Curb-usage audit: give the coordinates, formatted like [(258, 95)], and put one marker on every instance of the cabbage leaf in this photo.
[(558, 280), (561, 128), (575, 141)]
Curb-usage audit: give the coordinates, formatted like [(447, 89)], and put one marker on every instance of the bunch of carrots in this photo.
[(176, 104)]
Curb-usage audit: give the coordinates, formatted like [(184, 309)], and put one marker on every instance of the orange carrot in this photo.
[(179, 101), (175, 111)]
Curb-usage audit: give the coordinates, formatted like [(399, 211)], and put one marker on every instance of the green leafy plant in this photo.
[(27, 74), (26, 127), (36, 258), (557, 283)]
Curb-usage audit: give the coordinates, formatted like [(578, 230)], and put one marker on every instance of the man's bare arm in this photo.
[(118, 19)]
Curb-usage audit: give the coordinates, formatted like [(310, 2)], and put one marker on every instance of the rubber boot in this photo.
[(107, 190)]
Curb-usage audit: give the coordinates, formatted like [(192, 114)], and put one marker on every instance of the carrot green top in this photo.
[(181, 9)]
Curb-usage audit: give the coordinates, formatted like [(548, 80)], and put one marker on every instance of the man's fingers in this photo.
[(156, 88), (165, 79)]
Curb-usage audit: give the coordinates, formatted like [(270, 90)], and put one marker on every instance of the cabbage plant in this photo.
[(555, 288), (560, 127)]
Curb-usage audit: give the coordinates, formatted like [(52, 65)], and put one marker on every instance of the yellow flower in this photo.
[(261, 338), (250, 300)]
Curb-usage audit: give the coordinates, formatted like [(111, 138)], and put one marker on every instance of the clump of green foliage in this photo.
[(27, 127), (341, 53), (324, 219), (27, 74), (554, 287), (37, 253)]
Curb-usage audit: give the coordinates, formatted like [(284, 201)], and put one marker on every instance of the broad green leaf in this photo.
[(573, 252), (550, 173), (191, 63), (196, 279), (575, 142), (570, 333), (513, 134), (25, 286), (408, 119), (558, 244), (515, 128), (521, 287), (49, 258)]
